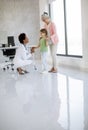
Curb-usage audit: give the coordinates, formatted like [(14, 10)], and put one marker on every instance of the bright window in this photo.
[(67, 16), (74, 34), (58, 18)]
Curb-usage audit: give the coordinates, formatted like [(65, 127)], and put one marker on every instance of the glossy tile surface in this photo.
[(44, 101)]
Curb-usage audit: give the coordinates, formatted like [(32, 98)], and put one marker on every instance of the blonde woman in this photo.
[(52, 39)]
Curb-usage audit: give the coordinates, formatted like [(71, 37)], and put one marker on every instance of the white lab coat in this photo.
[(22, 57)]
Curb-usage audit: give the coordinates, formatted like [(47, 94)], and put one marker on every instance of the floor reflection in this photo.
[(40, 102), (71, 95), (47, 102)]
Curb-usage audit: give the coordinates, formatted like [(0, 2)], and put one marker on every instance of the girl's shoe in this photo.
[(44, 72)]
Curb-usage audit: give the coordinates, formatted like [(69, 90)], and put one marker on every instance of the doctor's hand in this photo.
[(32, 49)]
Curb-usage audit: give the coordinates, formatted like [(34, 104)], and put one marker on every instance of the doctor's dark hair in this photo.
[(22, 37)]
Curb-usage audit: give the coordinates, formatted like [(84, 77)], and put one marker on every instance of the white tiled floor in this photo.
[(44, 101)]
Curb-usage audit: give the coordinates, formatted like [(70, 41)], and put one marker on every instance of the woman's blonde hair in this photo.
[(45, 15)]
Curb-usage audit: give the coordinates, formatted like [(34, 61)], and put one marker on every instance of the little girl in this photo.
[(43, 44)]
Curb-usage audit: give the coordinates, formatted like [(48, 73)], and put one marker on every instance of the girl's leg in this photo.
[(44, 60)]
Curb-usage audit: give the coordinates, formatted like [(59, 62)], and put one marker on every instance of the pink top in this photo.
[(51, 28)]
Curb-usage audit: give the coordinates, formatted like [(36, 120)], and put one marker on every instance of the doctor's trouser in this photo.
[(22, 63)]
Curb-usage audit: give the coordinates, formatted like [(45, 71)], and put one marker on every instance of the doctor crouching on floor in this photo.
[(22, 56)]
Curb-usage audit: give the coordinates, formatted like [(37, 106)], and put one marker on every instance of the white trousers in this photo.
[(21, 63), (53, 50), (44, 60)]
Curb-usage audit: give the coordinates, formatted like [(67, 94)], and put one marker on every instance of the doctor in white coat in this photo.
[(22, 56)]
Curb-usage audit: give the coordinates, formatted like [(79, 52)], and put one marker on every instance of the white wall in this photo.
[(81, 63), (42, 8), (18, 16)]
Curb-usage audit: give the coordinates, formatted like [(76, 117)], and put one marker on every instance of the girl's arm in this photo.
[(33, 48), (37, 46), (46, 42)]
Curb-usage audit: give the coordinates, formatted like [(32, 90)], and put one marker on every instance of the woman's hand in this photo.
[(48, 38)]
